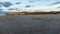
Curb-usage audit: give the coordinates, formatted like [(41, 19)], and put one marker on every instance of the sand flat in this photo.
[(30, 24)]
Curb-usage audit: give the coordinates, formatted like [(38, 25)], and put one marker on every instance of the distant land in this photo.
[(31, 13)]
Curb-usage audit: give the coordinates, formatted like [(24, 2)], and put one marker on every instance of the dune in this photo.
[(30, 24)]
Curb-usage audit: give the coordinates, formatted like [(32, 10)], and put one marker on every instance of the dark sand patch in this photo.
[(44, 19)]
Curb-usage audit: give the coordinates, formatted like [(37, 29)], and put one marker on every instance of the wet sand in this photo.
[(30, 24)]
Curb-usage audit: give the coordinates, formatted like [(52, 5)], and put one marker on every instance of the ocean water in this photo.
[(3, 12)]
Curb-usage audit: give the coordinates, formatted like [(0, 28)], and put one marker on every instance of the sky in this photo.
[(29, 5)]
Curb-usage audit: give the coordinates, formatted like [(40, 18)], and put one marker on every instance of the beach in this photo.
[(30, 24)]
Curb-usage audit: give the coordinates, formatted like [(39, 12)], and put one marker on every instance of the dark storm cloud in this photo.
[(6, 4)]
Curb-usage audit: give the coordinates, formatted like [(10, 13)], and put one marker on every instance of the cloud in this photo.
[(27, 6), (39, 0), (55, 3), (6, 4), (0, 5), (40, 8), (17, 6), (31, 1), (1, 9), (11, 9), (17, 3), (58, 7), (35, 0)]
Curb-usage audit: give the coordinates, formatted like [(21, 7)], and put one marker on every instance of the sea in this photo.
[(2, 13)]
